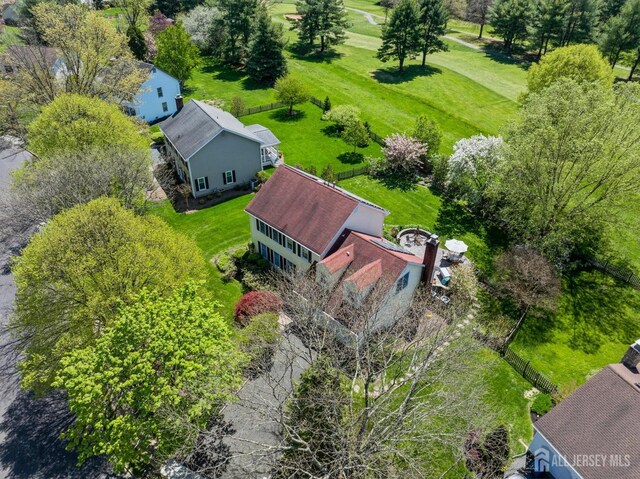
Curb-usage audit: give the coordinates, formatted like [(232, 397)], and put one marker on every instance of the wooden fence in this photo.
[(343, 175), (622, 274), (528, 372), (261, 108)]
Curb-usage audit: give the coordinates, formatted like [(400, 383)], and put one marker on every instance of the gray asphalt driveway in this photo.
[(29, 428)]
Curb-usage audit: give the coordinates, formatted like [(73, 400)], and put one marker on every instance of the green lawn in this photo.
[(420, 206), (464, 90), (596, 321), (214, 230), (307, 140), (9, 36)]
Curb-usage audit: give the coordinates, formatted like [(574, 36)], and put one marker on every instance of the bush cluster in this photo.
[(254, 303)]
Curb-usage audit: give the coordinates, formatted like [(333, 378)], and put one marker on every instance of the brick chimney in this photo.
[(631, 358), (179, 102), (430, 255)]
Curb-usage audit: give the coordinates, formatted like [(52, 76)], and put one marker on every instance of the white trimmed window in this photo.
[(202, 183), (229, 177)]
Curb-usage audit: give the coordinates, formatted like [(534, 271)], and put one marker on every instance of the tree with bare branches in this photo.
[(346, 399), (529, 280)]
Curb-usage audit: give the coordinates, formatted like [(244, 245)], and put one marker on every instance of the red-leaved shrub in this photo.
[(256, 302)]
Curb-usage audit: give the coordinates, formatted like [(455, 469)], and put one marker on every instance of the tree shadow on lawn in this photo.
[(332, 131), (399, 181), (225, 73), (32, 446), (282, 115), (494, 52), (304, 53), (351, 158), (391, 75), (593, 310)]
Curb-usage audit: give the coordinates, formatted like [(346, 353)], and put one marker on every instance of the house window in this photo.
[(291, 245), (229, 177), (165, 107), (202, 183), (402, 283), (160, 94)]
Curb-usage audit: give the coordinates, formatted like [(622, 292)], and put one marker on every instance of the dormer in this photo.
[(330, 270), (357, 286)]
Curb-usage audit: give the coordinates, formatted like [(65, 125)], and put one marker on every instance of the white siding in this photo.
[(363, 219)]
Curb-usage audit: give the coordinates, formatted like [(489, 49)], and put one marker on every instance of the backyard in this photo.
[(467, 91)]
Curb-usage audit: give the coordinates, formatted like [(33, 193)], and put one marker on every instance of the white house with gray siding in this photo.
[(213, 151)]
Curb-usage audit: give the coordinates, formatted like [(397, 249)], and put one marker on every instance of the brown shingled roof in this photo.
[(302, 207), (339, 259), (367, 275), (600, 418)]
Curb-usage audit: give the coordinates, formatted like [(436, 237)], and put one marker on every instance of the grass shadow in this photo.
[(305, 53), (391, 75), (332, 131), (399, 181), (225, 73), (282, 115), (351, 158)]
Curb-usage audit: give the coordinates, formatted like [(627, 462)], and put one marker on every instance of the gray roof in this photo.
[(265, 135), (600, 418), (197, 124)]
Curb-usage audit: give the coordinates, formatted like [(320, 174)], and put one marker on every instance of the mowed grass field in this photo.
[(464, 90)]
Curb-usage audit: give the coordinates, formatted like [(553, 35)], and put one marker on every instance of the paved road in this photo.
[(29, 429), (369, 16)]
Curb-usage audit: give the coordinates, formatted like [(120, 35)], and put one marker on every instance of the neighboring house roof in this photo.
[(265, 135), (304, 207), (30, 55), (197, 124), (600, 418)]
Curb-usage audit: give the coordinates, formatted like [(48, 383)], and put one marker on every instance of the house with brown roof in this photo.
[(300, 223), (595, 432)]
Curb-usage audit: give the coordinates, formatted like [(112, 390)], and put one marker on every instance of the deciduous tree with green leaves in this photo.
[(356, 135), (429, 133), (77, 123), (582, 63), (157, 373), (291, 91), (401, 36), (571, 166), (73, 275), (266, 62), (177, 54)]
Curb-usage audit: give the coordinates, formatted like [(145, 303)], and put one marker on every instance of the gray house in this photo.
[(213, 151)]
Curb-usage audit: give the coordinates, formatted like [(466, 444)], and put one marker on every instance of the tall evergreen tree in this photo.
[(579, 23), (546, 24), (323, 19), (433, 17), (266, 62), (622, 32), (137, 43), (401, 37), (509, 19), (238, 17)]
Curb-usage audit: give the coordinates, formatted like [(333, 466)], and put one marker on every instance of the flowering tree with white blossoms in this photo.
[(473, 166)]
